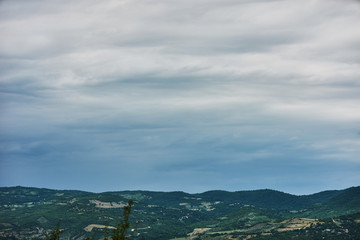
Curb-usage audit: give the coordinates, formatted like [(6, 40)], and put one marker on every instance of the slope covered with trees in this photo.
[(33, 212)]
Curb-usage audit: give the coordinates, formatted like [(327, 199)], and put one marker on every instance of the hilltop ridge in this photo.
[(28, 212)]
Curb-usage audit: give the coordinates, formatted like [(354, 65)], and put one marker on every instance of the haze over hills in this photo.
[(31, 212)]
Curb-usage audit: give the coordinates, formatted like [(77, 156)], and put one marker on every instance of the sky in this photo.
[(191, 96)]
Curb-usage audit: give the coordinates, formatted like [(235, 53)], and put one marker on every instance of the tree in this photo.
[(55, 234), (123, 226)]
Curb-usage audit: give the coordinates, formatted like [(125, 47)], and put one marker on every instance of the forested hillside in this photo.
[(30, 213)]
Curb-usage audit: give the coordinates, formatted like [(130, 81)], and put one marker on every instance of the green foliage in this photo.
[(123, 226), (120, 233), (28, 212), (55, 234)]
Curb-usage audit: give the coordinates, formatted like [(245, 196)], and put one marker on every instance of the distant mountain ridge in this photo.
[(27, 212)]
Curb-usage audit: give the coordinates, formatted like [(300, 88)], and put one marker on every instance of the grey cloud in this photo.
[(240, 90)]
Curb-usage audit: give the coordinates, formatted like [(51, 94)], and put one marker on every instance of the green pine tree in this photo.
[(123, 226), (55, 234)]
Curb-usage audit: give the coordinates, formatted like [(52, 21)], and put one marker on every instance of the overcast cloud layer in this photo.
[(180, 95)]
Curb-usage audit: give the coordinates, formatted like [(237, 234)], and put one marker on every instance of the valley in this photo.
[(30, 213)]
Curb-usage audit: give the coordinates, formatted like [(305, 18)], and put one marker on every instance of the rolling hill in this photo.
[(30, 213)]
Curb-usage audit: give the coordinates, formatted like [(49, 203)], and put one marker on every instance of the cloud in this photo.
[(167, 90)]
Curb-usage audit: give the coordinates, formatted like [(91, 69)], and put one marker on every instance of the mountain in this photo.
[(30, 213), (348, 198), (270, 199), (322, 196), (344, 202)]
